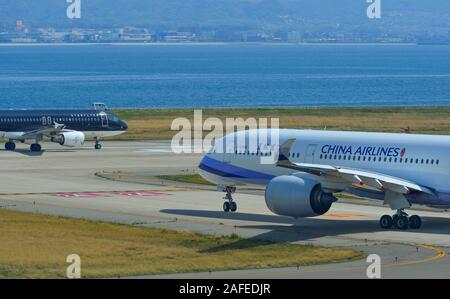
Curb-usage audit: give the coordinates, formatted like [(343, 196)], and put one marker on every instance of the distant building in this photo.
[(133, 34), (20, 26), (179, 37), (294, 37)]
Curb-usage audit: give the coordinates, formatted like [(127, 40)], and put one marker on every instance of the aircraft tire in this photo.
[(386, 222), (415, 222), (233, 206), (226, 207), (402, 223), (10, 146), (36, 147)]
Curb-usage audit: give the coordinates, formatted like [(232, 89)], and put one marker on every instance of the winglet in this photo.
[(285, 150)]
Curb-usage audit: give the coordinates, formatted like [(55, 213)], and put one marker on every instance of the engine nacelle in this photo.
[(296, 197), (70, 139)]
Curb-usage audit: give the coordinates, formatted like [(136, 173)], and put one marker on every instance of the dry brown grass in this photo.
[(155, 124), (36, 246)]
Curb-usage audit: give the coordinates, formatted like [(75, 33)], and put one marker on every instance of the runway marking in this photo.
[(102, 192), (78, 195), (133, 194), (440, 253)]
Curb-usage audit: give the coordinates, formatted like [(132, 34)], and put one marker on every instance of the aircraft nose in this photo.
[(202, 162), (124, 125)]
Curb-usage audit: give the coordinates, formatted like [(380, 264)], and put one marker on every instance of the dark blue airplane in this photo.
[(65, 127)]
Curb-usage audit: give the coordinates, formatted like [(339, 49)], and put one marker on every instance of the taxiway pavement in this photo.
[(71, 182)]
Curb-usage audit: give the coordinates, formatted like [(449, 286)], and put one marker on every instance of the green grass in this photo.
[(186, 178), (36, 246), (154, 124)]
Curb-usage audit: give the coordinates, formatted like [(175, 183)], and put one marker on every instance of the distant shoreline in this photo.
[(201, 44)]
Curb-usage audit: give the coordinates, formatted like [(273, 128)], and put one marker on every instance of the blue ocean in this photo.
[(188, 76)]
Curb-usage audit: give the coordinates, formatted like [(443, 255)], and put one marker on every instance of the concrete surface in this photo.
[(63, 182)]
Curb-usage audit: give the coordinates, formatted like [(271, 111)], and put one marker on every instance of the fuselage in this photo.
[(93, 123), (423, 159)]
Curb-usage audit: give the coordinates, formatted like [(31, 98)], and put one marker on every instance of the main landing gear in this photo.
[(36, 147), (10, 146), (401, 221), (229, 205), (98, 145)]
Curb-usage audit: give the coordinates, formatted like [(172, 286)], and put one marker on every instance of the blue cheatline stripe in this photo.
[(231, 171)]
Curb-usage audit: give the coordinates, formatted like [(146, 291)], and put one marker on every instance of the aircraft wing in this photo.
[(352, 176), (48, 131)]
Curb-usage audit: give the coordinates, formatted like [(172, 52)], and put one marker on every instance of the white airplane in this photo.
[(400, 169)]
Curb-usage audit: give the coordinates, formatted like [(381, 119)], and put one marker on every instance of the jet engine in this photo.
[(70, 139), (296, 197)]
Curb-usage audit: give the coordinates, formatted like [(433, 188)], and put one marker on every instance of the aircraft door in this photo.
[(104, 118), (310, 153)]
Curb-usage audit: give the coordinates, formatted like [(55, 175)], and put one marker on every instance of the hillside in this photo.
[(400, 16)]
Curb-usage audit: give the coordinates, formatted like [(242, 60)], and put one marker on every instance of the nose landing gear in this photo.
[(98, 145), (229, 205), (401, 221)]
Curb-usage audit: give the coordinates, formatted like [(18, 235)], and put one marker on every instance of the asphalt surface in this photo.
[(119, 184)]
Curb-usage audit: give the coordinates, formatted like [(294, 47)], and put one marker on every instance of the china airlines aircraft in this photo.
[(312, 166)]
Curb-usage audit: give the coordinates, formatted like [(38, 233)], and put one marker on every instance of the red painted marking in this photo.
[(77, 195), (402, 152), (133, 194)]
